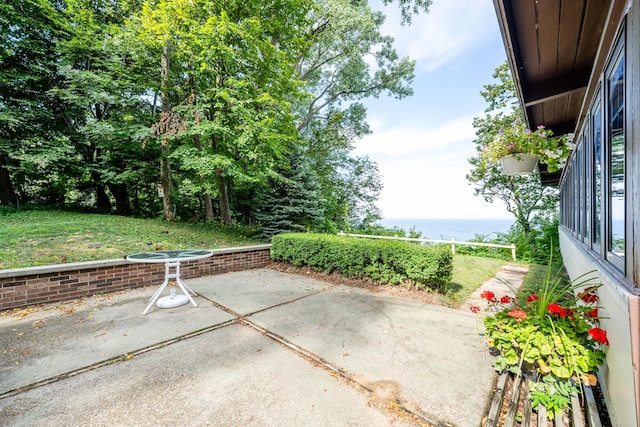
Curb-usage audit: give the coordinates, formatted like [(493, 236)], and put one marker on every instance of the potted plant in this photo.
[(551, 335), (519, 148)]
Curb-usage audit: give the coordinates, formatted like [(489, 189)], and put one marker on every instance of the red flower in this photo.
[(593, 313), (517, 314), (474, 309), (556, 309), (506, 299), (532, 298), (488, 295), (589, 295), (599, 335)]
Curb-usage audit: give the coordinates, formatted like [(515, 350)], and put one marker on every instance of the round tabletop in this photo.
[(170, 256)]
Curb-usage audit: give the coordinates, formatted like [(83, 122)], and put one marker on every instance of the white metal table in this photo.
[(171, 259)]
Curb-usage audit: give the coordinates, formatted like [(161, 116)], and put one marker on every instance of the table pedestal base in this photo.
[(168, 275)]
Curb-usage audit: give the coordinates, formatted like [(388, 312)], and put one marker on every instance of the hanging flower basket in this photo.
[(519, 164), (518, 140)]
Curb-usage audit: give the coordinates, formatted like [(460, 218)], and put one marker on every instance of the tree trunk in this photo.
[(208, 204), (120, 193), (165, 165), (7, 193), (103, 203), (223, 199), (167, 184)]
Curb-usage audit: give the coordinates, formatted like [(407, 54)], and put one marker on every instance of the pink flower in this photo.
[(517, 314), (540, 126), (599, 335), (511, 146), (474, 309)]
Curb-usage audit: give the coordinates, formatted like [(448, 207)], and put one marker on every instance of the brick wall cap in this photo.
[(56, 268)]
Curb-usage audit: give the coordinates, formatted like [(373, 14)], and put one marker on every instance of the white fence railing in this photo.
[(453, 243)]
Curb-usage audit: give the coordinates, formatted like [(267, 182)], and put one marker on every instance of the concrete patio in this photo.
[(263, 348)]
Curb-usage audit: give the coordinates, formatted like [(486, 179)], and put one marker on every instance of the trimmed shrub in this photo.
[(383, 261)]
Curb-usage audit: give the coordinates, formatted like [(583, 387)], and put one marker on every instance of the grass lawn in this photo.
[(33, 238), (41, 237), (469, 272)]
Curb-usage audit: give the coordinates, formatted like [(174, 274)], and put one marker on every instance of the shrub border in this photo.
[(383, 261)]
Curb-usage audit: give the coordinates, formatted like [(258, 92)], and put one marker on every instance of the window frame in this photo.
[(586, 164), (597, 177), (618, 56)]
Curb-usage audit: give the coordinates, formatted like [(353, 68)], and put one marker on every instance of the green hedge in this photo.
[(384, 261)]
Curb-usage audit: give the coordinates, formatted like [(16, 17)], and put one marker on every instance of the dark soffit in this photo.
[(552, 47)]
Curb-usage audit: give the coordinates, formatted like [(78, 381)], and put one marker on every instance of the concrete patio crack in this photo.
[(115, 359), (419, 416)]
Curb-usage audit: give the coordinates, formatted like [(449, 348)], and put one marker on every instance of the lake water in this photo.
[(452, 229)]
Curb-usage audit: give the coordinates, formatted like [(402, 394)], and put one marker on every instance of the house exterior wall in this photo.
[(38, 285), (600, 216), (617, 374)]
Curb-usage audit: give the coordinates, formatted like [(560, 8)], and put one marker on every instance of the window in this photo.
[(616, 163), (586, 167), (596, 177), (595, 185), (575, 172), (579, 171)]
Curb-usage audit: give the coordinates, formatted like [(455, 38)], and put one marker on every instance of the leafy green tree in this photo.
[(31, 151), (355, 186), (232, 111), (103, 105), (225, 98), (408, 8), (343, 36), (523, 196), (346, 59)]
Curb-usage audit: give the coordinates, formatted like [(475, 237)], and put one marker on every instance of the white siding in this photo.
[(617, 373)]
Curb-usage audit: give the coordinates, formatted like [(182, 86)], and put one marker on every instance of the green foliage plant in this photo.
[(383, 261), (553, 395), (551, 334)]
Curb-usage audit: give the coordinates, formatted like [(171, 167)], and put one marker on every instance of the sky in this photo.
[(421, 144)]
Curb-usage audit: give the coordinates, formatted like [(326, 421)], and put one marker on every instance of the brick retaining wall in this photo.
[(37, 285)]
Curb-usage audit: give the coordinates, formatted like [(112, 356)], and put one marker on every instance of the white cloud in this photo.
[(424, 192), (402, 140), (432, 188), (424, 172), (450, 29), (431, 184)]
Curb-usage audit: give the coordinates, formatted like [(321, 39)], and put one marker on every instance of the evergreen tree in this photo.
[(291, 201)]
